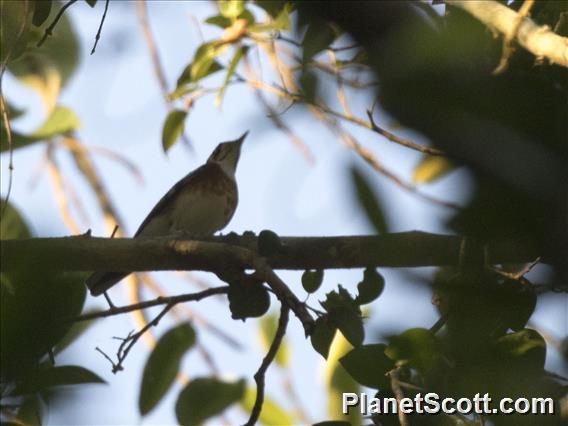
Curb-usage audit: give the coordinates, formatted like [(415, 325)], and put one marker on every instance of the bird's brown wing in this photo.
[(196, 177)]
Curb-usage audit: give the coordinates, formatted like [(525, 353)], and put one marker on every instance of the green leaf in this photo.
[(15, 21), (30, 412), (91, 3), (526, 347), (31, 311), (203, 63), (431, 168), (248, 300), (173, 128), (273, 7), (350, 323), (312, 280), (231, 8), (203, 398), (271, 413), (12, 224), (322, 335), (268, 326), (41, 12), (163, 364), (319, 36), (371, 287), (219, 21), (239, 53), (368, 365), (369, 201), (417, 347), (280, 23), (47, 69), (45, 378)]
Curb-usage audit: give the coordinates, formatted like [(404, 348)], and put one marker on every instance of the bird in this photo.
[(200, 204)]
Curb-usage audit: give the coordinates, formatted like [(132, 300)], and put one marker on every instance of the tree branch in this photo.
[(539, 40)]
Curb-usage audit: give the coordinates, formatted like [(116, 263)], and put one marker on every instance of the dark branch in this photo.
[(190, 297), (98, 36), (259, 377), (49, 30)]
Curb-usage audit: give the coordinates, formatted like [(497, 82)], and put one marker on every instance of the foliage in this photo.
[(437, 75)]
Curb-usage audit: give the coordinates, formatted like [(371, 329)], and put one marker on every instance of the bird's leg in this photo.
[(110, 304)]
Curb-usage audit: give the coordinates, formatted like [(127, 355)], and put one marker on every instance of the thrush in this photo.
[(200, 204)]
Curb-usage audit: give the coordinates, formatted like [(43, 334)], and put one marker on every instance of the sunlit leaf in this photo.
[(203, 398), (173, 128), (231, 8), (239, 53), (271, 413), (432, 168), (219, 21), (368, 364), (163, 364)]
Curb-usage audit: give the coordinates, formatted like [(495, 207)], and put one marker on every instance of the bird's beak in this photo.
[(242, 138)]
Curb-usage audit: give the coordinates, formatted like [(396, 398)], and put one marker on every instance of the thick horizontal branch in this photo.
[(407, 249), (540, 41)]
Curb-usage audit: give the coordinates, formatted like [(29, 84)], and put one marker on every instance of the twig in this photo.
[(98, 36), (171, 300), (49, 30), (128, 343), (508, 48), (398, 393), (259, 376)]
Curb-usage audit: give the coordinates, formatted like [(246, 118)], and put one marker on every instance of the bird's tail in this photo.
[(99, 282)]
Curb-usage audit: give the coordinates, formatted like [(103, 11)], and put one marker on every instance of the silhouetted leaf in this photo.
[(368, 365), (322, 335), (269, 243), (312, 280), (319, 36), (163, 364), (12, 224), (350, 323), (41, 11), (44, 378), (248, 300), (203, 398), (417, 346), (173, 128), (15, 20), (369, 201), (76, 331), (371, 287), (525, 348)]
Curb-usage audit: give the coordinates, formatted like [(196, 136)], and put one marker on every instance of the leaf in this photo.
[(239, 53), (219, 21), (15, 21), (312, 280), (47, 69), (91, 3), (368, 365), (371, 287), (417, 347), (319, 36), (248, 300), (527, 348), (322, 335), (163, 364), (369, 201), (12, 224), (231, 8), (349, 323), (203, 63), (173, 128), (204, 397), (273, 7), (280, 22), (45, 378), (271, 413), (333, 423), (41, 12), (431, 168), (268, 326)]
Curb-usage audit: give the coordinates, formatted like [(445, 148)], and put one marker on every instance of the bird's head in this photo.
[(227, 154)]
